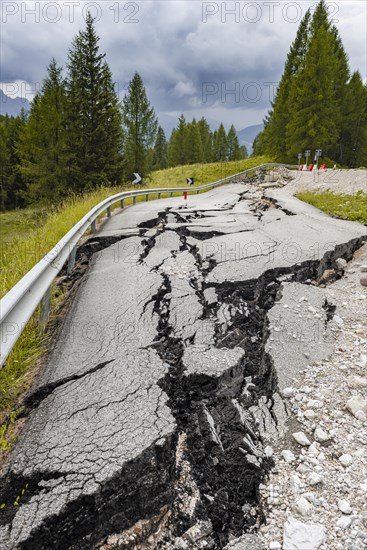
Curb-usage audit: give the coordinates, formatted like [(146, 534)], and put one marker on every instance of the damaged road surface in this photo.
[(153, 422)]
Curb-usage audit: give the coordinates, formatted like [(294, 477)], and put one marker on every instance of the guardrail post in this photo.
[(159, 195), (71, 261), (171, 194), (122, 203), (45, 307), (146, 197), (134, 200), (93, 226), (197, 192), (109, 212)]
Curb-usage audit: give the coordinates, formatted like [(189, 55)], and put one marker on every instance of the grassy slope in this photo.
[(28, 234), (347, 207)]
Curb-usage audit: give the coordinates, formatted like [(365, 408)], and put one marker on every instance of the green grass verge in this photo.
[(26, 235), (346, 207)]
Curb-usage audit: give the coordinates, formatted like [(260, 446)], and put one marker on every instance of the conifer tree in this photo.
[(42, 146), (11, 181), (233, 146), (220, 144), (354, 134), (177, 154), (272, 140), (206, 139), (194, 148), (313, 106), (160, 160), (140, 125), (93, 122), (314, 119)]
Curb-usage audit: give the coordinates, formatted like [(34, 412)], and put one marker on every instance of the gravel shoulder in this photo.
[(320, 480), (345, 182)]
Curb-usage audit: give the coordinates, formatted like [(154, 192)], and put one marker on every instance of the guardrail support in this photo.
[(146, 198), (122, 204), (109, 212), (134, 200), (93, 226), (45, 307), (71, 261), (159, 195), (171, 194)]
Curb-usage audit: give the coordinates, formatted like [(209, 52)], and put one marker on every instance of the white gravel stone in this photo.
[(356, 382), (309, 414), (302, 536), (314, 479), (315, 404), (302, 439), (344, 506), (320, 435), (356, 403), (346, 460), (268, 451), (344, 522), (340, 263), (288, 392), (274, 545), (288, 456), (338, 320), (303, 506), (360, 415), (363, 486)]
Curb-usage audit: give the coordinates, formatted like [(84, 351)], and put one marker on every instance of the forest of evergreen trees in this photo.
[(78, 135), (319, 104)]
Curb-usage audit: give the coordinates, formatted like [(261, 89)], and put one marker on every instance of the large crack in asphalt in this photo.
[(217, 456), (225, 449)]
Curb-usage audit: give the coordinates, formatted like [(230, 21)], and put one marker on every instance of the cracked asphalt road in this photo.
[(173, 332)]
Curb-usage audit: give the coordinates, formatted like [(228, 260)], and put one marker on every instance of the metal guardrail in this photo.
[(19, 304)]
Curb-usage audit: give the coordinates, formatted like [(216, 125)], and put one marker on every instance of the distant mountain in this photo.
[(12, 107), (248, 134)]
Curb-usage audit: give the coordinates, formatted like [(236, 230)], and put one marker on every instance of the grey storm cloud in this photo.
[(220, 59)]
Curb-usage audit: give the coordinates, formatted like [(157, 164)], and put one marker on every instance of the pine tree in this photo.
[(193, 146), (206, 139), (234, 150), (314, 119), (140, 125), (272, 140), (93, 117), (312, 107), (11, 181), (220, 144), (42, 146), (354, 134), (340, 82), (160, 160), (177, 154)]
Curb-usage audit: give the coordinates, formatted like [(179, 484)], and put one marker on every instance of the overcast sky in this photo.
[(190, 54)]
